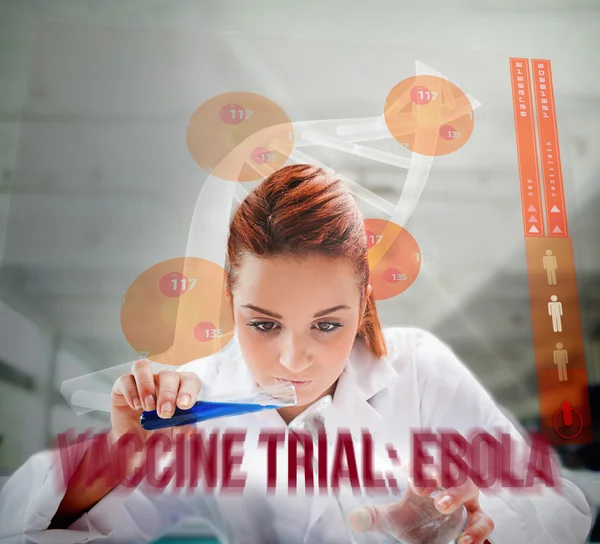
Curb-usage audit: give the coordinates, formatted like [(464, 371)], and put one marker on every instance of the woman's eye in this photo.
[(263, 326), (326, 326)]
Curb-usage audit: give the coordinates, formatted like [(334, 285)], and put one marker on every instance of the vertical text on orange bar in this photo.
[(556, 213), (526, 148)]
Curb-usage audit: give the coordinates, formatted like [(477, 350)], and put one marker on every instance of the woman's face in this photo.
[(296, 321)]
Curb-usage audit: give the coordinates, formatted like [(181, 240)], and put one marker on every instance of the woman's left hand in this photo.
[(394, 518), (479, 524)]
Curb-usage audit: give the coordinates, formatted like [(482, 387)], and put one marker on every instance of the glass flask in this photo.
[(392, 515)]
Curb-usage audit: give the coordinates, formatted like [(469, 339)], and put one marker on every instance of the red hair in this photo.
[(300, 210)]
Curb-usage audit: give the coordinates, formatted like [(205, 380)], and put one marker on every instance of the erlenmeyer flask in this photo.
[(389, 516)]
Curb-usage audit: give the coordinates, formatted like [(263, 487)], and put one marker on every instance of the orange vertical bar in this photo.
[(556, 213), (556, 319), (563, 394), (526, 148)]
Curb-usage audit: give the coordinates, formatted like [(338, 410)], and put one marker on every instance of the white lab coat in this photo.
[(420, 384)]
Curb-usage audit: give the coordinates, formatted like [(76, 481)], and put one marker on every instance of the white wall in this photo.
[(24, 423), (27, 347)]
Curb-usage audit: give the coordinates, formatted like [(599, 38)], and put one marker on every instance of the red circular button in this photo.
[(567, 414)]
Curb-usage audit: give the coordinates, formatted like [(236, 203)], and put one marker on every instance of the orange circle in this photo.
[(429, 115), (167, 311), (227, 132), (394, 258)]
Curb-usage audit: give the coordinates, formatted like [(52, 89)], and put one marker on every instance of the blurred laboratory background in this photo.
[(97, 183)]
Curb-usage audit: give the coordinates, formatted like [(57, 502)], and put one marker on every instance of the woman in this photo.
[(304, 313)]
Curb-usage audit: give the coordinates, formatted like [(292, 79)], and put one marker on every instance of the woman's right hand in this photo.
[(142, 390)]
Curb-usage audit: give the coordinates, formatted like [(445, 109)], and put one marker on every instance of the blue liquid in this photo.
[(201, 411)]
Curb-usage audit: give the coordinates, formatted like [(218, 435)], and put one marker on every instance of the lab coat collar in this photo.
[(366, 374), (363, 377)]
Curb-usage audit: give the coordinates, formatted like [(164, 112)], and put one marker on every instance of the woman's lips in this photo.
[(296, 383)]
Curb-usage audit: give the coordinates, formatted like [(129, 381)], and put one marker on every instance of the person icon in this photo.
[(550, 266), (561, 360), (555, 311)]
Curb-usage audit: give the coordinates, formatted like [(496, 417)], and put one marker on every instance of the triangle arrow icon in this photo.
[(532, 208), (532, 219), (554, 209), (556, 230), (533, 229)]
